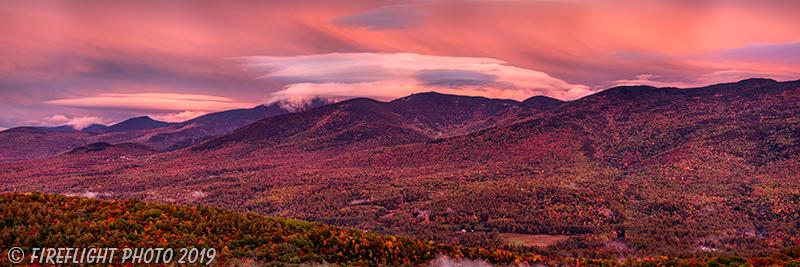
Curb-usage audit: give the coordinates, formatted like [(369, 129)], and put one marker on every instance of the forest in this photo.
[(49, 220), (630, 172)]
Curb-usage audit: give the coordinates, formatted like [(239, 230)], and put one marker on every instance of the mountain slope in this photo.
[(95, 128), (113, 149), (356, 121), (34, 142), (247, 239), (631, 170), (215, 124), (369, 123), (31, 142), (440, 115)]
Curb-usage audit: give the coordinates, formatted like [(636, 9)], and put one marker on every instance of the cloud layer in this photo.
[(153, 102), (391, 75), (76, 122), (383, 18)]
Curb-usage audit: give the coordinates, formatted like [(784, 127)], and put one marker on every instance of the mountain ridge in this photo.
[(411, 119), (157, 135)]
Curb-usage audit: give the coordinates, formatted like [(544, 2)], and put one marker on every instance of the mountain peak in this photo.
[(631, 91), (137, 123), (429, 93), (541, 101), (438, 98), (752, 81)]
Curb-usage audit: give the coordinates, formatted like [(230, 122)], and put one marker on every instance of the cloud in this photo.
[(571, 40), (383, 18), (78, 123), (778, 61), (178, 116), (651, 80), (153, 102), (455, 78), (387, 76), (782, 53)]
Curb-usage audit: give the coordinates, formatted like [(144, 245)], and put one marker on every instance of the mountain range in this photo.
[(632, 170), (33, 142)]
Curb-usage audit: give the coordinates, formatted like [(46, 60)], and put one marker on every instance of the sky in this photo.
[(93, 61)]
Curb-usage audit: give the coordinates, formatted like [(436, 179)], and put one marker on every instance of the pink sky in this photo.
[(73, 60)]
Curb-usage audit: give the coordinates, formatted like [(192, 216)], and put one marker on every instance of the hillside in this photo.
[(215, 124), (106, 148), (40, 220), (439, 115), (366, 123), (35, 142), (239, 238), (629, 171)]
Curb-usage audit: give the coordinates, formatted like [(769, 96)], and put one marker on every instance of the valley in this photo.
[(628, 172)]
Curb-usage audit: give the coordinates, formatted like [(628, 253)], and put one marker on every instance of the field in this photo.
[(527, 240)]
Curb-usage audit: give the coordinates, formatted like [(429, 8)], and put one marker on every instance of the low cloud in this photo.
[(154, 102), (387, 76), (78, 123), (445, 261)]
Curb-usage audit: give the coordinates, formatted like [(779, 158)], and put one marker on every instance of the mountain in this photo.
[(541, 102), (365, 122), (95, 128), (236, 118), (214, 124), (356, 121), (55, 129), (628, 171), (439, 115), (138, 123), (33, 142)]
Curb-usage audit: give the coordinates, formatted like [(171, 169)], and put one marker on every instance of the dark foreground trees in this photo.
[(43, 220)]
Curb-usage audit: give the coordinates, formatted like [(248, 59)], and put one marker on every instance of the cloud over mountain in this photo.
[(78, 122), (391, 75)]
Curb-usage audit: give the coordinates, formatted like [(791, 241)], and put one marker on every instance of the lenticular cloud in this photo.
[(391, 75), (153, 101)]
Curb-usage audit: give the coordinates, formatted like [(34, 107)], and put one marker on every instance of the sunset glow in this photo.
[(101, 59)]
